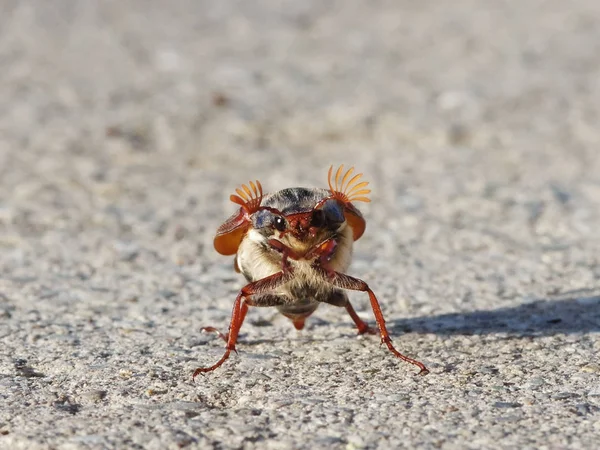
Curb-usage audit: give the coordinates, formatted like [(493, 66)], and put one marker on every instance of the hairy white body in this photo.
[(256, 259)]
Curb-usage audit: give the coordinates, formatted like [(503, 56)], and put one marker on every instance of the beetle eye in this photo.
[(318, 218), (334, 213), (279, 223)]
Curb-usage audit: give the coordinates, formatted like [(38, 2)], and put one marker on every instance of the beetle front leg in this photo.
[(286, 253), (324, 251), (344, 281), (239, 312)]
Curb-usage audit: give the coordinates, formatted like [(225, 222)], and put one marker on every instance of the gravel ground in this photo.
[(124, 127)]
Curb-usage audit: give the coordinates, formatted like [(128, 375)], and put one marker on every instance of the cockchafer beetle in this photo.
[(293, 246)]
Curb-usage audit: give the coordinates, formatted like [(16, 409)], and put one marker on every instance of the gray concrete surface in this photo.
[(124, 127)]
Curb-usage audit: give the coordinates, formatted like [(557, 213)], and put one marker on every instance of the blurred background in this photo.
[(126, 125), (135, 120)]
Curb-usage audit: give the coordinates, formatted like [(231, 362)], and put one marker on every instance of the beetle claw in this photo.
[(216, 331)]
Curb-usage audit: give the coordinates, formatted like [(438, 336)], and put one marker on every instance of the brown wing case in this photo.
[(230, 234)]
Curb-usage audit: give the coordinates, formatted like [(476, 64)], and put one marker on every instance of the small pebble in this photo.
[(153, 391), (536, 382), (564, 395), (125, 373), (507, 405), (591, 368), (95, 395)]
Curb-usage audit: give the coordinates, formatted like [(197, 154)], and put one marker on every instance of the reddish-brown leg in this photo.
[(347, 282), (325, 250), (362, 326), (243, 312), (239, 312), (216, 331)]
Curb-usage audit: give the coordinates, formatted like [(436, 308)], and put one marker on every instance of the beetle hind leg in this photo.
[(339, 298), (361, 325)]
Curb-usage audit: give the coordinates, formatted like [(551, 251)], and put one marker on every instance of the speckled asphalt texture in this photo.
[(125, 126)]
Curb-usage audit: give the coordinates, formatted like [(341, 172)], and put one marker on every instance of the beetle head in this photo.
[(299, 217)]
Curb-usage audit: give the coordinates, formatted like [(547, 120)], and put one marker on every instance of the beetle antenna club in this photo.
[(348, 189), (294, 247), (248, 200)]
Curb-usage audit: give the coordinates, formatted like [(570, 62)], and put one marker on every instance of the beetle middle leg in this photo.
[(239, 312), (362, 326)]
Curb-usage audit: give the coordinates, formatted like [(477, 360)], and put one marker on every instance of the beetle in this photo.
[(293, 247)]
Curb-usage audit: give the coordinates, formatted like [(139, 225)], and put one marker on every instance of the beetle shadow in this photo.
[(543, 317)]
